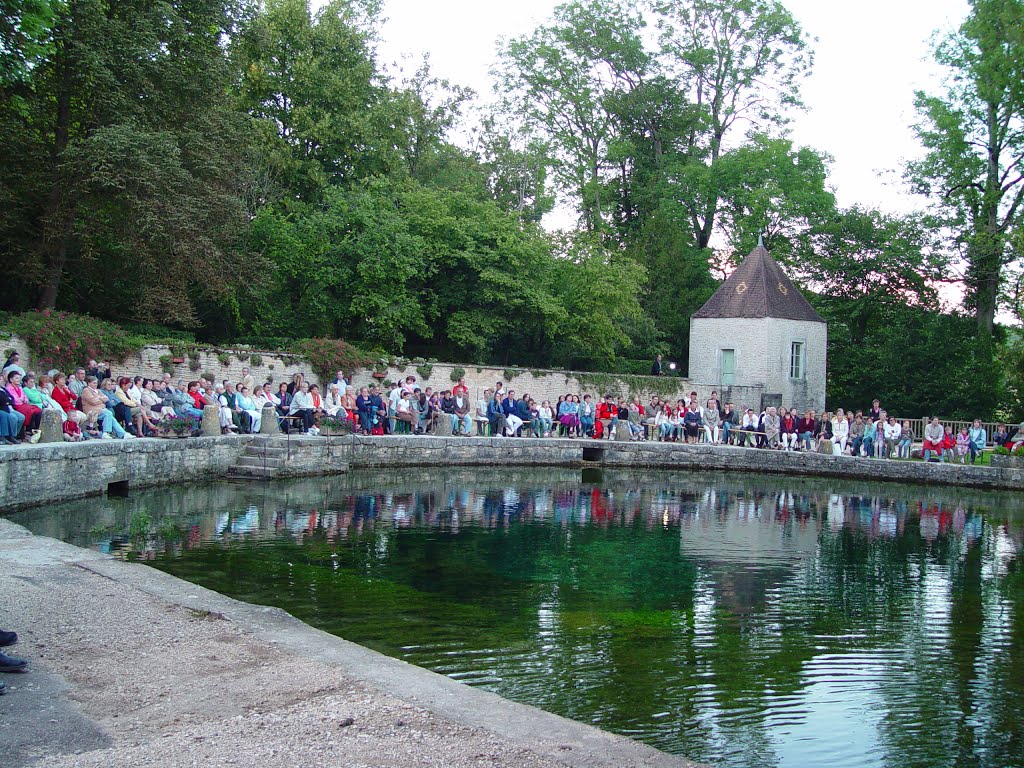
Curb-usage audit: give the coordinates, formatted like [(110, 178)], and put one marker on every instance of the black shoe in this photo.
[(11, 664), (8, 638), (12, 440)]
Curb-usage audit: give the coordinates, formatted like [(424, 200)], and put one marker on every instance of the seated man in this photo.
[(933, 438)]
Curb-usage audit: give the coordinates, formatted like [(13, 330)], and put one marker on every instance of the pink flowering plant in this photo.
[(64, 341)]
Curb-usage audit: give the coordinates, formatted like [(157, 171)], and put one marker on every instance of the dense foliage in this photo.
[(248, 171)]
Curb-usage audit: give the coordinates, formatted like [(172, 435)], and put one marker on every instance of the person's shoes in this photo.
[(11, 664), (8, 638), (11, 441)]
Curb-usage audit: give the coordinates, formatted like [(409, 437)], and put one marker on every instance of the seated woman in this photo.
[(546, 418), (40, 396), (225, 412), (130, 410), (348, 405), (20, 402), (244, 401), (284, 400), (11, 421), (194, 408), (840, 431), (693, 422), (65, 398), (332, 401), (98, 409), (587, 414), (787, 431), (712, 422), (496, 416), (978, 439), (870, 437), (772, 426), (823, 434), (152, 403)]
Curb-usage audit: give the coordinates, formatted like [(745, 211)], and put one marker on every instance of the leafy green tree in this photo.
[(24, 37), (740, 63), (124, 160), (559, 79), (973, 134)]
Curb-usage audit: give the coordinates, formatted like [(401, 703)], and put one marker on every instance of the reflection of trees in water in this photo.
[(702, 600)]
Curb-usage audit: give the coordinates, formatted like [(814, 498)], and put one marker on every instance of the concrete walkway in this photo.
[(133, 667)]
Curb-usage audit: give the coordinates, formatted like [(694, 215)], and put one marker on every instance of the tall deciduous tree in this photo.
[(124, 157), (973, 170), (740, 63)]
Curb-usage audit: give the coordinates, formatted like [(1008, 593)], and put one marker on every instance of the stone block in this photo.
[(51, 426), (211, 421), (268, 421)]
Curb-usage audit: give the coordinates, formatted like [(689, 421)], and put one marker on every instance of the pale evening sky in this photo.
[(870, 57)]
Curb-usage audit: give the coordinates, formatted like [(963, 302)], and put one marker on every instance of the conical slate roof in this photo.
[(759, 288)]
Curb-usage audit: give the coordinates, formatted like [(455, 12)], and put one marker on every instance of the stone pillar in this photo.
[(51, 427), (211, 421), (268, 421)]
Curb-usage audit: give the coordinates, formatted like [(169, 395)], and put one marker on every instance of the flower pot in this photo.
[(177, 360), (379, 375)]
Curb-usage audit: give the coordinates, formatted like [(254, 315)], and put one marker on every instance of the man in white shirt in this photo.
[(393, 397), (891, 432)]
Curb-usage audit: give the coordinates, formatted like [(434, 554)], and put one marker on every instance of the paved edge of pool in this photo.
[(559, 739), (42, 474)]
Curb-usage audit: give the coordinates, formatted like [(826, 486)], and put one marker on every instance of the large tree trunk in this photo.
[(59, 214)]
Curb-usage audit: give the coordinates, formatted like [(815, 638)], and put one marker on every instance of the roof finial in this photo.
[(760, 240)]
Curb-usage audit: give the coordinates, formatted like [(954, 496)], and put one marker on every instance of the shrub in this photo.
[(511, 373), (457, 373), (208, 376), (224, 358), (256, 359), (65, 341), (328, 356), (193, 365), (166, 364), (424, 370), (243, 357)]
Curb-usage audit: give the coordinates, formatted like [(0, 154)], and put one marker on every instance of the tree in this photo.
[(123, 160), (739, 62), (559, 80), (973, 169), (24, 32)]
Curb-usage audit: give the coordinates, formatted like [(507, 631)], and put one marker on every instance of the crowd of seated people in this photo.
[(93, 404)]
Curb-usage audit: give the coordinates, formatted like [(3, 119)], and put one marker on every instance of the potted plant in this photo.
[(178, 426), (332, 425)]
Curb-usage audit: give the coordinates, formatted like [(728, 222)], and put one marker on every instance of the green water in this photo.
[(736, 620)]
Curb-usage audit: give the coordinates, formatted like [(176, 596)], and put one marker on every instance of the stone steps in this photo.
[(260, 461)]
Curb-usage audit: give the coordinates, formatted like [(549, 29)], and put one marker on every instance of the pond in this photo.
[(737, 620)]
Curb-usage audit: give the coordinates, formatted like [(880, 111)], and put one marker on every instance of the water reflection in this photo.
[(739, 621)]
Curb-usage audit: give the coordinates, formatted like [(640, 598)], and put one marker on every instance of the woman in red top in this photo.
[(197, 397), (32, 413), (65, 398), (788, 431)]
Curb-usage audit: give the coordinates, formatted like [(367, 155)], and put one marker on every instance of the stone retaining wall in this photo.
[(37, 474)]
